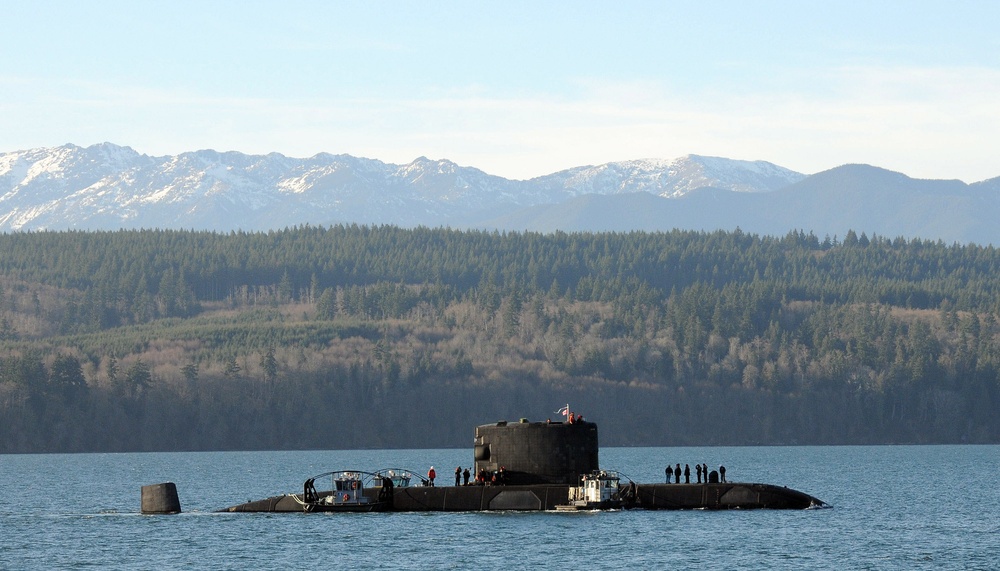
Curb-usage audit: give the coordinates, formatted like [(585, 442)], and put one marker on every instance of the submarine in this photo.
[(525, 466)]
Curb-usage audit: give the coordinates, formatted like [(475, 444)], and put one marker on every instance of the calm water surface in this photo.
[(895, 507)]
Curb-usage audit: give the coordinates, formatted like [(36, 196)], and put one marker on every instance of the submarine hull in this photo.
[(721, 496), (547, 497), (440, 499), (533, 465)]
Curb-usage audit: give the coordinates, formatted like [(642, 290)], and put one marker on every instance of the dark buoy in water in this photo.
[(160, 499)]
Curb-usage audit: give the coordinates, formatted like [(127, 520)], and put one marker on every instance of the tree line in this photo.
[(355, 336)]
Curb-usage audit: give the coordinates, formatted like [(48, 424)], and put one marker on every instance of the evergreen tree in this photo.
[(66, 377)]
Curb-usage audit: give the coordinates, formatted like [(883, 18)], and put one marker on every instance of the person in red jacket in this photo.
[(431, 474)]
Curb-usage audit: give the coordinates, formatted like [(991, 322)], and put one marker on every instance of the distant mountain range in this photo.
[(105, 187)]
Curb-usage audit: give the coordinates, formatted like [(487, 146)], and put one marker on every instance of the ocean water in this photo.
[(894, 507)]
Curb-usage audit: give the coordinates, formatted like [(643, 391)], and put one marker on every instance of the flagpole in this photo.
[(564, 411)]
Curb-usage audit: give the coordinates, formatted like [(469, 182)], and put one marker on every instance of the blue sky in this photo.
[(517, 89)]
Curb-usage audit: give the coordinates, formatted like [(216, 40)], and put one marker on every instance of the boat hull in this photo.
[(347, 508), (589, 506)]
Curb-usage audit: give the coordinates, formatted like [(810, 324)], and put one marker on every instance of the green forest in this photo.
[(383, 337)]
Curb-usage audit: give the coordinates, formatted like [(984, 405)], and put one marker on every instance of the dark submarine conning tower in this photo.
[(537, 452)]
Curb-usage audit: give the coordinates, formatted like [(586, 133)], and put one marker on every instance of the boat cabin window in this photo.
[(345, 485)]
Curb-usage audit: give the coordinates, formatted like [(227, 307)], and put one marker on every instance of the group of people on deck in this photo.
[(494, 478), (701, 473), (483, 478)]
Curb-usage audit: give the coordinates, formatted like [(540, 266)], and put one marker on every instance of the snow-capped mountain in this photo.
[(106, 186), (110, 187), (672, 179)]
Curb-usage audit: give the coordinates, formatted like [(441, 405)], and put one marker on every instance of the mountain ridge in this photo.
[(107, 186)]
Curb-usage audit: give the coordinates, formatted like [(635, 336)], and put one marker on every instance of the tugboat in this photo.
[(347, 493), (597, 491)]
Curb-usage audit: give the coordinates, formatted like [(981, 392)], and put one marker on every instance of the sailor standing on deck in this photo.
[(687, 474), (458, 476), (677, 473), (670, 472), (697, 468), (431, 474)]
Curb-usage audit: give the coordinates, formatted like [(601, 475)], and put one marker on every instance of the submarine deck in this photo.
[(731, 495)]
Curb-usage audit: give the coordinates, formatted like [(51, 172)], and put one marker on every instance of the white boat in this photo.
[(597, 491)]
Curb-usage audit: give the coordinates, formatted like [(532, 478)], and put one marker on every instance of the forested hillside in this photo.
[(359, 336)]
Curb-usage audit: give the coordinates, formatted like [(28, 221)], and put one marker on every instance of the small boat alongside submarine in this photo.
[(598, 491), (544, 466), (346, 493)]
